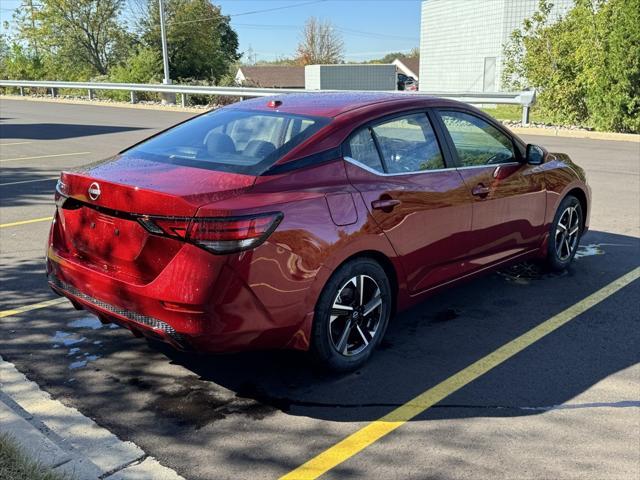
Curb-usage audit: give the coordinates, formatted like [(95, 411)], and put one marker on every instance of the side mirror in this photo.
[(535, 154)]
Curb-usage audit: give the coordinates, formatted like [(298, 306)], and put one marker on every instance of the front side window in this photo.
[(408, 144), (232, 140), (477, 142)]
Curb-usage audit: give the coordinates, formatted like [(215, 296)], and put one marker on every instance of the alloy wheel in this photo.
[(356, 315), (567, 233)]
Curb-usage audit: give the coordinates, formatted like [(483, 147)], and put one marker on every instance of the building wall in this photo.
[(350, 77), (312, 77), (461, 41), (240, 78)]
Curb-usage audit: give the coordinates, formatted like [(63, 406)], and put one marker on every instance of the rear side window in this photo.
[(232, 140), (408, 144), (363, 149), (477, 142), (297, 126)]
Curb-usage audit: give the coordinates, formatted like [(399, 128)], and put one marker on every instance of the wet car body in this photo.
[(427, 229)]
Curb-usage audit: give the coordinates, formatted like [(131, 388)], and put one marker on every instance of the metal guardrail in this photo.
[(524, 99)]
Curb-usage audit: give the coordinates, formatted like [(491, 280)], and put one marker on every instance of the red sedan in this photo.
[(307, 221)]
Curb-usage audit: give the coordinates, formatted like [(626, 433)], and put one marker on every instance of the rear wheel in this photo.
[(565, 233), (351, 315)]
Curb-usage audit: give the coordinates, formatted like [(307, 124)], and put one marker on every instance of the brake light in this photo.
[(218, 235), (227, 235)]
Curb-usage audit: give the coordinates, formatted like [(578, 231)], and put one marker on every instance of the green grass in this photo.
[(512, 112), (14, 465)]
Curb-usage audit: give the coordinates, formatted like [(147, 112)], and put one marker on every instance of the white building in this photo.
[(461, 41), (353, 76)]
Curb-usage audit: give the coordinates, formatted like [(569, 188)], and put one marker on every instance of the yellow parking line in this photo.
[(13, 143), (374, 431), (43, 156), (24, 222), (35, 306)]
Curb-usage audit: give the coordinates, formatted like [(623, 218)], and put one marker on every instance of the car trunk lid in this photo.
[(142, 186), (100, 209)]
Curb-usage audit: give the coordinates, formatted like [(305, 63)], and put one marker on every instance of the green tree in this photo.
[(390, 57), (585, 66), (142, 66), (75, 37), (613, 77), (200, 41), (18, 63)]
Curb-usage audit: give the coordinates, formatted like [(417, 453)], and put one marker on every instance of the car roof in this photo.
[(331, 104)]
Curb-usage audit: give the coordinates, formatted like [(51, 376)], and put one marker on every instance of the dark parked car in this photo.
[(405, 82), (306, 221)]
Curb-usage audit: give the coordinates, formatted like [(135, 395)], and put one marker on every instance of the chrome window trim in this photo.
[(489, 165), (355, 162), (383, 174)]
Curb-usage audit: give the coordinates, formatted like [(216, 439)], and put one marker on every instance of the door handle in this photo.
[(385, 204), (480, 190)]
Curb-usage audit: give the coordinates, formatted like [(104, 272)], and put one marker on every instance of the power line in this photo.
[(260, 26), (345, 31), (378, 52), (374, 34), (204, 19), (273, 9)]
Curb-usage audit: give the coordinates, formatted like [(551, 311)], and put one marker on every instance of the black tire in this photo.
[(365, 330), (562, 247)]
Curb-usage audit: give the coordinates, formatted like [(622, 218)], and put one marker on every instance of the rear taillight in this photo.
[(218, 235)]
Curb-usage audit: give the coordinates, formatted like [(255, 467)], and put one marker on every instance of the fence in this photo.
[(524, 99)]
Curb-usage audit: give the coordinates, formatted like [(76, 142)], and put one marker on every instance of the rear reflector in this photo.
[(218, 235), (173, 227)]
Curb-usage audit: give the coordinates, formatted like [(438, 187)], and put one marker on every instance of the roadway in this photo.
[(566, 406)]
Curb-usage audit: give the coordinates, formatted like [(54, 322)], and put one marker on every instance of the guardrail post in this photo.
[(183, 99), (525, 115), (22, 91), (134, 97), (90, 92), (54, 92)]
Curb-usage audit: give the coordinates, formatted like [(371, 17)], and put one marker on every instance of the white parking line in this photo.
[(43, 156), (28, 181), (13, 143)]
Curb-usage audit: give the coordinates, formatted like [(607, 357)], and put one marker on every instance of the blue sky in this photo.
[(370, 28)]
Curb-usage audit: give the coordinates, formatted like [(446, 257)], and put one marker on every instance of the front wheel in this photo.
[(565, 233), (351, 315)]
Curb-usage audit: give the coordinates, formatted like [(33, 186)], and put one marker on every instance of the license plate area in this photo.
[(100, 236)]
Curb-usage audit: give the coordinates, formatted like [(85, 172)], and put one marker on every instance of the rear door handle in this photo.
[(386, 204), (480, 190)]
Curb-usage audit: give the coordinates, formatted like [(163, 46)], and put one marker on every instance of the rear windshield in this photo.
[(230, 140)]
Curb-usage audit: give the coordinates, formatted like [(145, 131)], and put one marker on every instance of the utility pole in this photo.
[(33, 28), (163, 34), (166, 97)]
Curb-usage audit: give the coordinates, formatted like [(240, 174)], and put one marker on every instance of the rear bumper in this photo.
[(136, 322), (196, 303)]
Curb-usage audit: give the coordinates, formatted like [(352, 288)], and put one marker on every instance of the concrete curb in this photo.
[(98, 103), (553, 132), (558, 132), (63, 439)]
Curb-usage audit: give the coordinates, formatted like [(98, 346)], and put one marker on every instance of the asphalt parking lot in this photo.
[(566, 406)]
